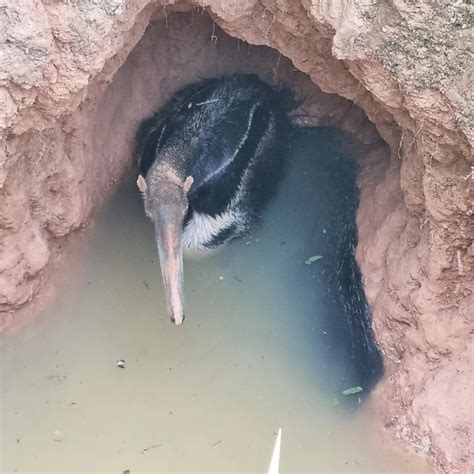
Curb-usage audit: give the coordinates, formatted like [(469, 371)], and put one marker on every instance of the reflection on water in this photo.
[(260, 349)]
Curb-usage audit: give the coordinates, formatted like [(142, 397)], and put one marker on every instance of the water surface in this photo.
[(260, 349)]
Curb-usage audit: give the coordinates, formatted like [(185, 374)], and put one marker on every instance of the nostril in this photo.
[(178, 321)]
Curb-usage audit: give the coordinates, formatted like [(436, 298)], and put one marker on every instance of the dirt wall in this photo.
[(67, 117)]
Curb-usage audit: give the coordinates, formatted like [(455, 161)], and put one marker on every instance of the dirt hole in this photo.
[(183, 47), (71, 141)]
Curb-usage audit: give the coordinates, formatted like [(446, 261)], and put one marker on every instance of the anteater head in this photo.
[(165, 193)]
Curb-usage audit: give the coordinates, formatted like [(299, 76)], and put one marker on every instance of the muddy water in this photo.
[(260, 350)]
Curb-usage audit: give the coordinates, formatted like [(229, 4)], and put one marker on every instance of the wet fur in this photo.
[(339, 195), (231, 135)]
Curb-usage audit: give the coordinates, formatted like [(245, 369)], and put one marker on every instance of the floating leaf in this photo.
[(352, 390), (313, 259), (335, 402)]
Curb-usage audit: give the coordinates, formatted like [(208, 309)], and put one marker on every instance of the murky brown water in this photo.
[(255, 354)]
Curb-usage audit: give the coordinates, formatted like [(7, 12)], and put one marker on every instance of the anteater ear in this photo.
[(141, 183), (188, 183)]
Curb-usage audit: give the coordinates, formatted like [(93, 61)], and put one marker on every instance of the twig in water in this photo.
[(207, 102), (275, 461), (143, 451), (216, 443)]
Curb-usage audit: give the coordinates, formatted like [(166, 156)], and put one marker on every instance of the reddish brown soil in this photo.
[(72, 89)]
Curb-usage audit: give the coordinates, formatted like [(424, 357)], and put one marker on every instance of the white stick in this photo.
[(275, 462)]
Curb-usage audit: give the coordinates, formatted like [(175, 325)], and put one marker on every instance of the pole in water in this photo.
[(275, 462)]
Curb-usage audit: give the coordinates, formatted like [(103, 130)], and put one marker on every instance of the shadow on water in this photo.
[(267, 343)]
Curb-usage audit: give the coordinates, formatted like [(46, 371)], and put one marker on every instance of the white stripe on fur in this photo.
[(201, 229)]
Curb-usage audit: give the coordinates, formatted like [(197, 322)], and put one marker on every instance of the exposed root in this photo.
[(165, 15), (213, 34), (270, 26), (400, 145), (417, 133), (275, 69)]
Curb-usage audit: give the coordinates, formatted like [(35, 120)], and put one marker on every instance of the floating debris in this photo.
[(58, 436), (120, 364), (313, 259), (335, 402), (352, 390), (143, 451), (275, 462), (204, 103), (216, 443)]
